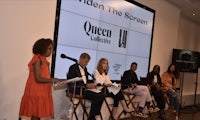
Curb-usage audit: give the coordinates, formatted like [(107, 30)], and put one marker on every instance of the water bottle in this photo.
[(70, 111)]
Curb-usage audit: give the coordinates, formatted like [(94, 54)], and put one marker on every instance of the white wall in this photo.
[(165, 32), (189, 39), (24, 21)]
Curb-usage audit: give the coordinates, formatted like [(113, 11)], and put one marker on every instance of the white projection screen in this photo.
[(119, 30)]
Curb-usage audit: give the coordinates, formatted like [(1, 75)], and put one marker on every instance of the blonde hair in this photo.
[(100, 68)]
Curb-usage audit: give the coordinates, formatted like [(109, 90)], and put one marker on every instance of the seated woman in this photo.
[(101, 77), (129, 84), (156, 89), (169, 80)]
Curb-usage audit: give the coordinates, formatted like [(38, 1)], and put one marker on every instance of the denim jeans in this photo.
[(173, 99)]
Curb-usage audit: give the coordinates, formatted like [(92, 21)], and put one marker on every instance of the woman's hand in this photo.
[(174, 87), (91, 85), (55, 80), (134, 85), (107, 85)]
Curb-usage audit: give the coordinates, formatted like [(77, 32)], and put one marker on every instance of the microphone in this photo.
[(91, 75), (64, 56)]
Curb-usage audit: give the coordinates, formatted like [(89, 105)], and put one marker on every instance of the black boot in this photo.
[(161, 115), (91, 118)]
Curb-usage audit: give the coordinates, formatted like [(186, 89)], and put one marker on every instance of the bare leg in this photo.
[(35, 118), (45, 118), (126, 109), (114, 111)]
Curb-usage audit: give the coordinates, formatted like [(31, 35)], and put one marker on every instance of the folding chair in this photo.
[(76, 100), (87, 107), (129, 102), (109, 105), (132, 101)]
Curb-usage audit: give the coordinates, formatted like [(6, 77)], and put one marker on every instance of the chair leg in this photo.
[(110, 111), (128, 101), (75, 106), (83, 102)]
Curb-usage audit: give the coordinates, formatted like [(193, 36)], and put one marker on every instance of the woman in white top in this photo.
[(102, 78)]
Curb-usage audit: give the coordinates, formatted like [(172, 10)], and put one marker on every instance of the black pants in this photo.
[(159, 97), (97, 101), (116, 98)]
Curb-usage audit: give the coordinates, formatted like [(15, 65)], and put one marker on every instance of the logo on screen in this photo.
[(97, 33), (122, 38)]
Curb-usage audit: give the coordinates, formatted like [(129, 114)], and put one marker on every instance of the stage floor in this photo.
[(187, 113)]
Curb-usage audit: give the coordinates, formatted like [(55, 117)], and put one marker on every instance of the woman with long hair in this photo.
[(169, 81), (101, 77)]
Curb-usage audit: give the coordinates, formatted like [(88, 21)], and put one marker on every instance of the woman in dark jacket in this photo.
[(155, 85)]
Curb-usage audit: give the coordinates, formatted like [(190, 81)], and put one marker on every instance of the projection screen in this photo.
[(119, 30)]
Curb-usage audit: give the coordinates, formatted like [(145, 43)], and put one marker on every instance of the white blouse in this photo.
[(102, 79)]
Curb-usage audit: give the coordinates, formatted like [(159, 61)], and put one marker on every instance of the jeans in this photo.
[(173, 99)]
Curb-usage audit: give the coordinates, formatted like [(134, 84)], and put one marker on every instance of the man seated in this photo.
[(79, 70), (129, 84)]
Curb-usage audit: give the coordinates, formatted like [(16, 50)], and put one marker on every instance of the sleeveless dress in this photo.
[(37, 99)]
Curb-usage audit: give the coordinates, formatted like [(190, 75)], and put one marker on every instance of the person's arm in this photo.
[(107, 81), (97, 78), (175, 83), (102, 79), (134, 79), (126, 80), (149, 80), (165, 82), (37, 73), (90, 85)]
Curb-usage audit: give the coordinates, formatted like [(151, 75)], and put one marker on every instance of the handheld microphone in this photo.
[(64, 56)]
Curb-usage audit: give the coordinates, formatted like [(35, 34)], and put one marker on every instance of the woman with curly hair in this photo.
[(37, 102)]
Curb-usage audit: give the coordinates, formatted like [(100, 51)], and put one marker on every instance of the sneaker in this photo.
[(141, 115), (151, 109), (162, 118), (156, 109)]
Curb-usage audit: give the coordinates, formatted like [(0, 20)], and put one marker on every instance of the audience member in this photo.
[(80, 70)]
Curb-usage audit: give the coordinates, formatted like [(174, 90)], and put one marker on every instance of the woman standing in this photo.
[(101, 76), (37, 102)]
